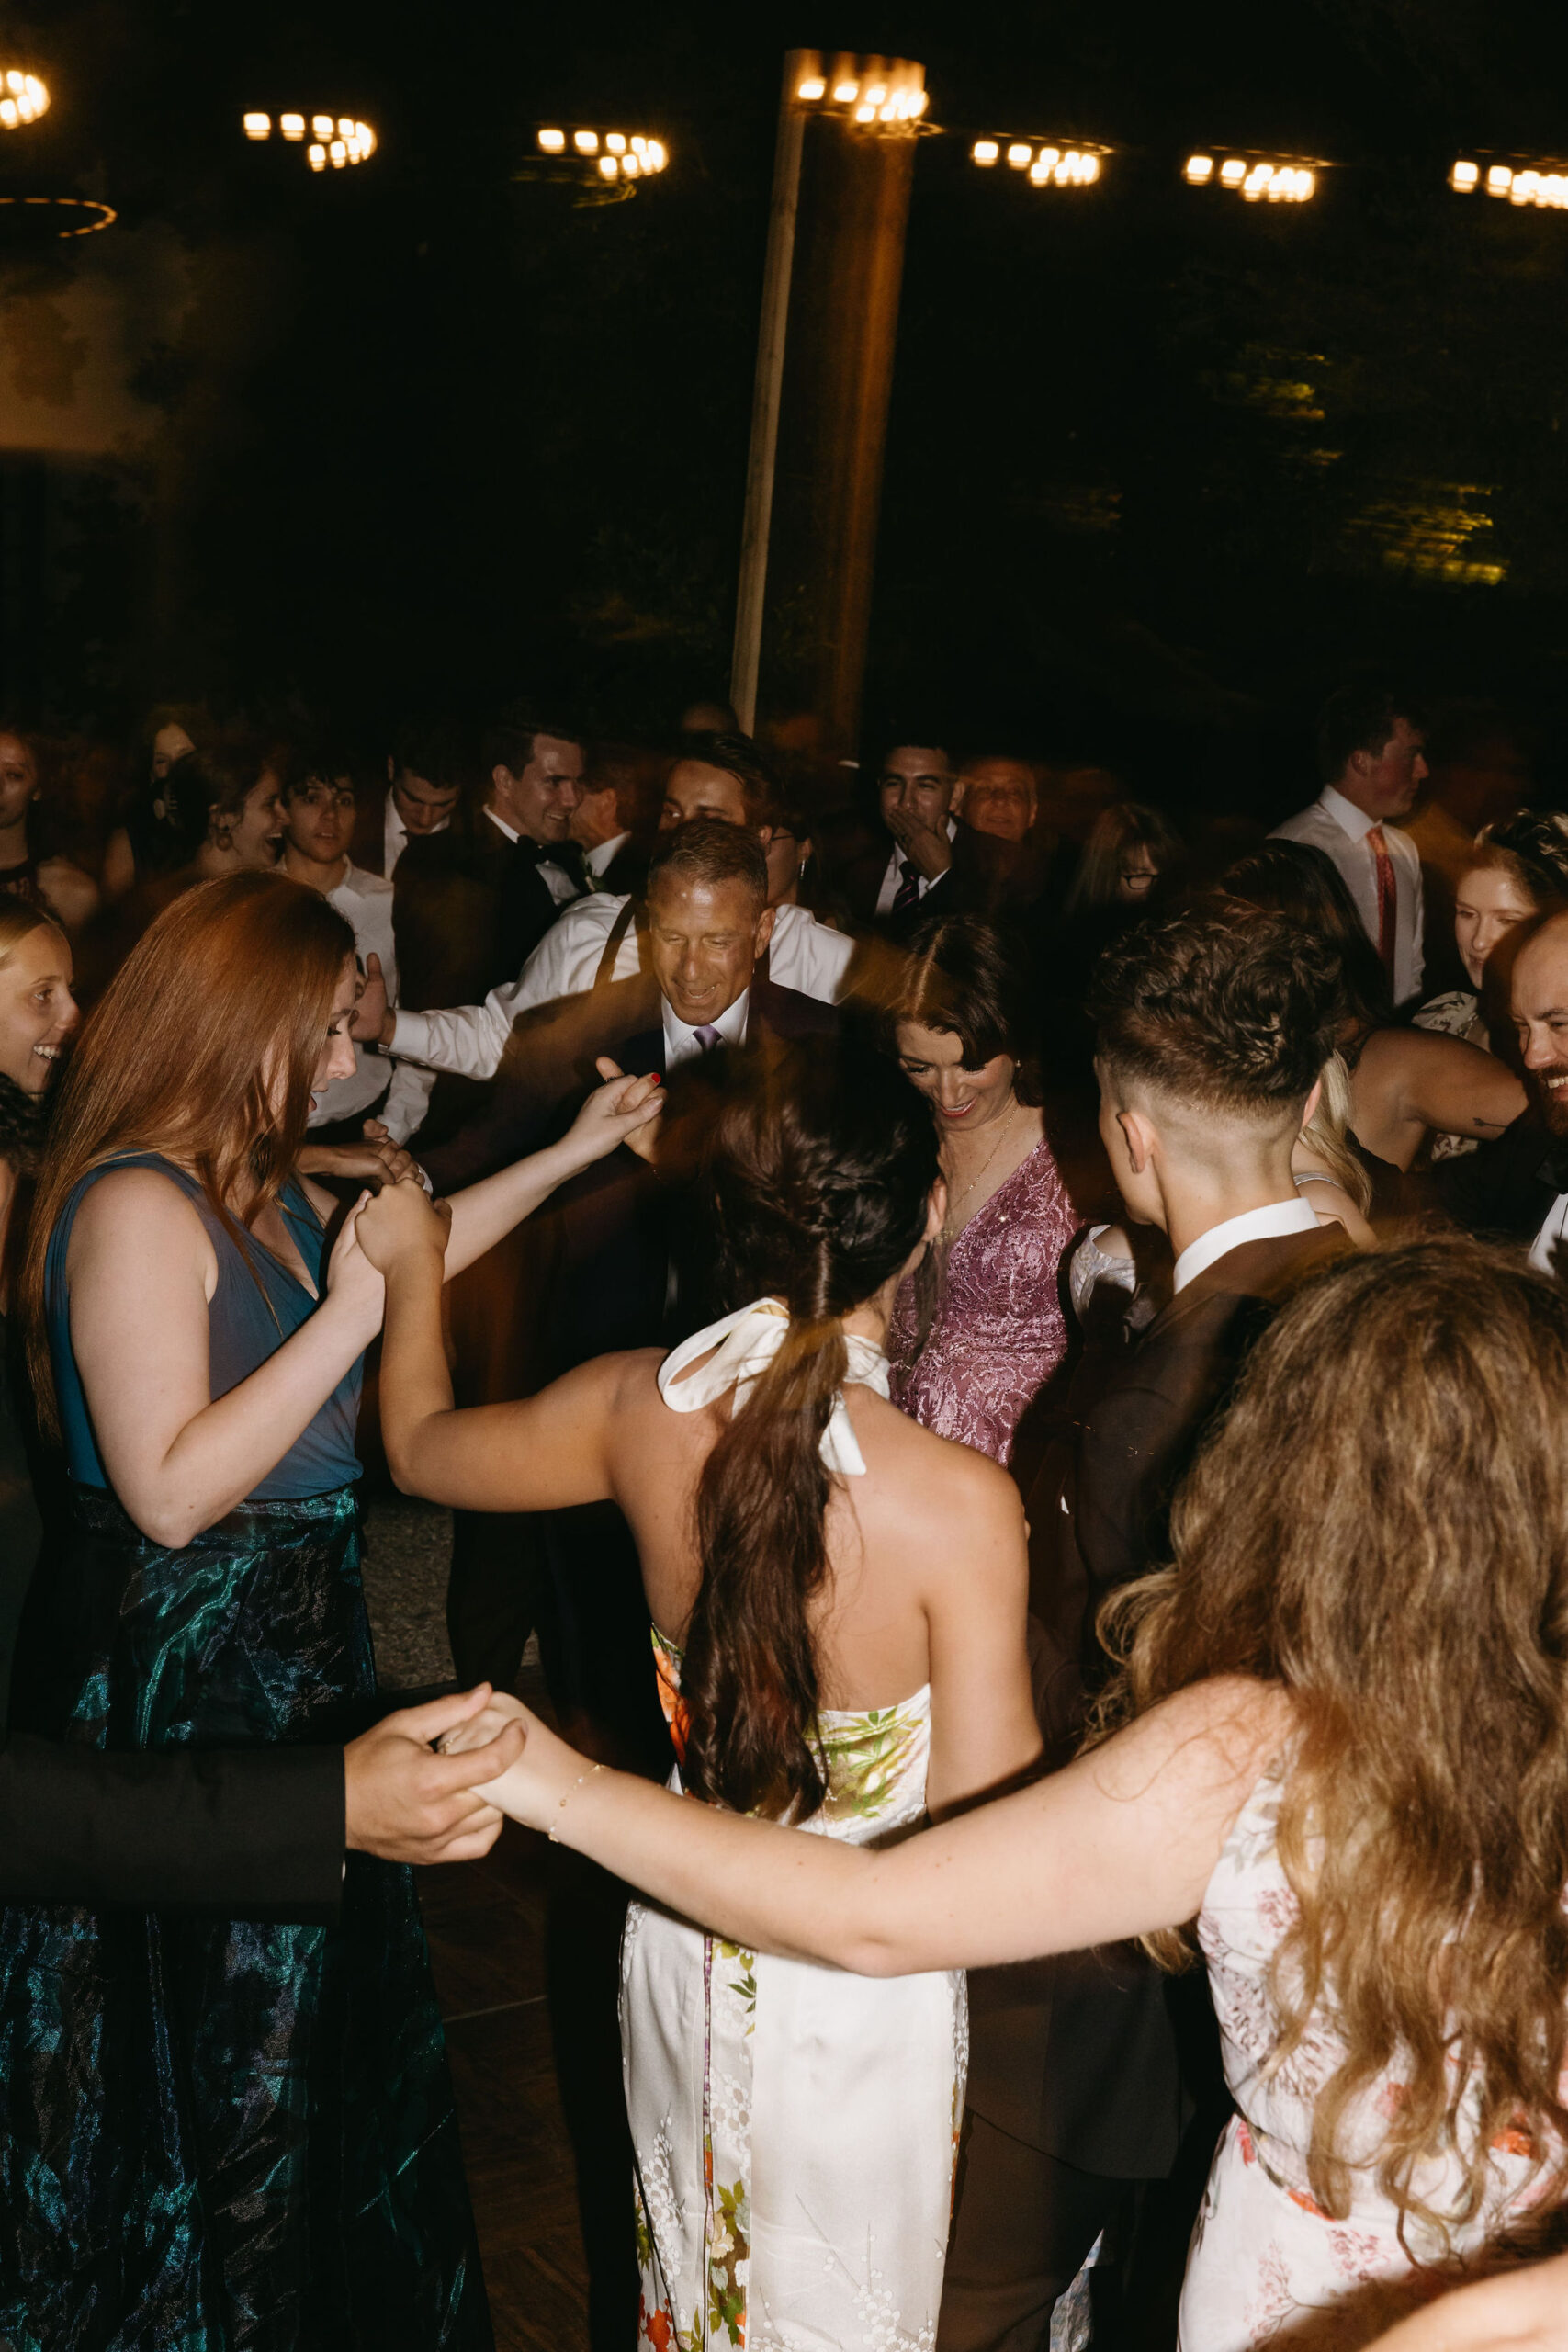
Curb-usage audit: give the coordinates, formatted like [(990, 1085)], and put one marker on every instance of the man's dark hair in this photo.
[(922, 738), (440, 754), (739, 757), (708, 850), (1302, 883), (320, 760), (509, 744), (1233, 1012), (1359, 717)]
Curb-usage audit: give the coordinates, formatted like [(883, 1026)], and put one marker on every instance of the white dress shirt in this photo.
[(471, 1038), (365, 901), (395, 835), (1337, 825), (1253, 1225), (599, 860), (556, 878), (1550, 1238), (894, 877), (684, 1045)]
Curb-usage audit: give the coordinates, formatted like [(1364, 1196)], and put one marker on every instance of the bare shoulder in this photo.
[(138, 1209), (73, 892), (937, 1482)]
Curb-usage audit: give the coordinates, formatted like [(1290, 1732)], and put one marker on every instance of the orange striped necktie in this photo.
[(1386, 899)]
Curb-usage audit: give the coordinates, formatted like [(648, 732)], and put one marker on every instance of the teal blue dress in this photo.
[(223, 2135)]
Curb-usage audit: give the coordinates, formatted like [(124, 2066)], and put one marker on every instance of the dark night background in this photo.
[(421, 434)]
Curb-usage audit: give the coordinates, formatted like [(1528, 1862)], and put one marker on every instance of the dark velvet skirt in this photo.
[(222, 2135)]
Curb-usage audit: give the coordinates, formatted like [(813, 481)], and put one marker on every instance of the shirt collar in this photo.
[(1345, 813), (682, 1044), (1253, 1225), (598, 861), (502, 826)]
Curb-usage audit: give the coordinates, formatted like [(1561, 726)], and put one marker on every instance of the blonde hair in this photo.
[(1381, 1526), (1326, 1132)]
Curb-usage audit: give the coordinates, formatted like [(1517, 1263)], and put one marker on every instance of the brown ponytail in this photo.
[(821, 1178)]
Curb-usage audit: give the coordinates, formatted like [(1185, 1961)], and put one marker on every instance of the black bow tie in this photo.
[(567, 855)]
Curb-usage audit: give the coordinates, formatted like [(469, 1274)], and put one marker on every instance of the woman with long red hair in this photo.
[(223, 2131)]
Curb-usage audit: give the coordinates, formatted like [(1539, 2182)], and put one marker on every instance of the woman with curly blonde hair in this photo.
[(1336, 1762)]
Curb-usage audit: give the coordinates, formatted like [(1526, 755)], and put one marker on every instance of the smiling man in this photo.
[(1539, 993)]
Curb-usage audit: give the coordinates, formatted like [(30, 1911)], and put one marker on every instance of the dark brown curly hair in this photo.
[(1233, 1012)]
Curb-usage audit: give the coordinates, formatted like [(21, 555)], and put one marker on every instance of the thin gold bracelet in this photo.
[(555, 1839)]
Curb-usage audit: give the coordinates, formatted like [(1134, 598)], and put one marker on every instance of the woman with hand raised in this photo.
[(838, 1603), (232, 2131)]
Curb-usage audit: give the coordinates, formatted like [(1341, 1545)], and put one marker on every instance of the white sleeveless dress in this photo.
[(795, 2127), (1267, 2266)]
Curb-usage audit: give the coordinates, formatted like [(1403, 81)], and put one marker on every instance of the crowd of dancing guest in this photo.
[(881, 1422)]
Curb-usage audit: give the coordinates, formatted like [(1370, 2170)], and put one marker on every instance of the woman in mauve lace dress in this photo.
[(960, 1024)]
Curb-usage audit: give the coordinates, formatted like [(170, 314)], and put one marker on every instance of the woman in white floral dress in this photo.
[(1347, 1765), (838, 1601)]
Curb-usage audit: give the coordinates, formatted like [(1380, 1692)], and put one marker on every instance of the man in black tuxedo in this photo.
[(1086, 2071), (256, 1832), (425, 778), (473, 902), (610, 823)]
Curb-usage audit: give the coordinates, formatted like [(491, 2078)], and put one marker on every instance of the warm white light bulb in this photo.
[(1233, 172), (1199, 168), (865, 113), (552, 141), (608, 167), (985, 150), (585, 141), (812, 89), (1464, 177), (291, 125), (630, 166), (318, 159), (257, 126), (1018, 155), (845, 92), (1499, 179), (615, 142)]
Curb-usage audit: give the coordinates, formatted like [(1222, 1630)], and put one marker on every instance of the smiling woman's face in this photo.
[(963, 1099), (38, 1011)]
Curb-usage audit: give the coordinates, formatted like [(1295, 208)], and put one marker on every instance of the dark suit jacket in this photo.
[(1097, 2057), (469, 908), (369, 848), (860, 882), (618, 1228), (248, 1835)]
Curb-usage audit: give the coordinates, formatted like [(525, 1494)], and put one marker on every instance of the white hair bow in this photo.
[(745, 1343)]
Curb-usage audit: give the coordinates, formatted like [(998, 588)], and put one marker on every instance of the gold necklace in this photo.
[(957, 1201)]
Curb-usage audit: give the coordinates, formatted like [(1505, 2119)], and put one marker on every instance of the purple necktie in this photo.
[(707, 1036)]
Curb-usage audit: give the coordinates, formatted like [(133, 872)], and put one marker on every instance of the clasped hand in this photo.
[(535, 1787)]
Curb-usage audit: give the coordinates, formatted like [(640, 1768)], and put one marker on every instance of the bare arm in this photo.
[(1123, 1842), (984, 1732), (142, 1272), (539, 1453), (1409, 1082), (482, 1213), (1521, 2310)]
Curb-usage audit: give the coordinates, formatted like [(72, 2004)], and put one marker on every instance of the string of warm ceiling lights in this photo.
[(336, 140)]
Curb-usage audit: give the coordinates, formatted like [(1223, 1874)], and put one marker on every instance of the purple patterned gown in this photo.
[(999, 1331)]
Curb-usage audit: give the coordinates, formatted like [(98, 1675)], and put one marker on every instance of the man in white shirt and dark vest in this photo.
[(1371, 756)]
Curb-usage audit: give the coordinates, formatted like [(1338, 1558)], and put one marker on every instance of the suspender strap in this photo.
[(635, 911)]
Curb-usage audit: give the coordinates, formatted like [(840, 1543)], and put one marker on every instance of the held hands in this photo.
[(534, 1783), (407, 1805), (625, 1111), (377, 1157), (399, 1220), (352, 1281)]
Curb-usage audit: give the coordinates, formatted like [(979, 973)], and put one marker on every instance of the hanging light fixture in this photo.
[(1256, 179), (23, 98), (602, 164), (1044, 163), (336, 140)]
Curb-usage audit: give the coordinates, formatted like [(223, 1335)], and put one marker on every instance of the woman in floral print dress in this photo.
[(1342, 1774), (837, 1600)]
